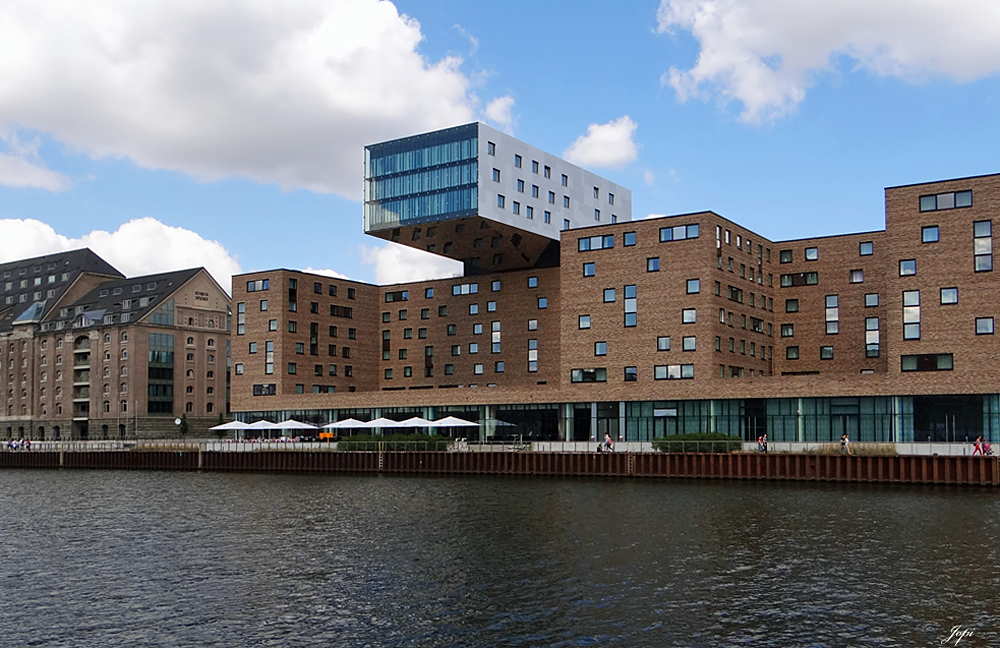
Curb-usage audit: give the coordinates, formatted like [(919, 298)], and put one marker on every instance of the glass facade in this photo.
[(423, 178)]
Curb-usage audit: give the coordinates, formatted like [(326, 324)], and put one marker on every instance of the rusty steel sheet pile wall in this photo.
[(787, 467)]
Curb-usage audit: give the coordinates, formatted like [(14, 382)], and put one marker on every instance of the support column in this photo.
[(622, 431)]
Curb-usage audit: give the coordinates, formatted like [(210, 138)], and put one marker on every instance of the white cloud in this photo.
[(473, 41), (23, 168), (276, 92), (21, 173), (649, 178), (498, 112), (396, 263), (767, 53), (139, 247), (605, 145), (327, 272)]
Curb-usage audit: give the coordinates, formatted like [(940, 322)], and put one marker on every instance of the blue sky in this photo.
[(230, 135)]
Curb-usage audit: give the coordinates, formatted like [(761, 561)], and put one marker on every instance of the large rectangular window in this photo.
[(949, 200), (927, 362), (678, 232), (911, 315), (421, 178), (982, 245)]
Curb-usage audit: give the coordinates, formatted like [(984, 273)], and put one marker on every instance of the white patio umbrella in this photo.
[(382, 423), (232, 425), (292, 424), (454, 421), (346, 423), (261, 425), (417, 422)]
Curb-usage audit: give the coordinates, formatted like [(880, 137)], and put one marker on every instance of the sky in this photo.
[(171, 134)]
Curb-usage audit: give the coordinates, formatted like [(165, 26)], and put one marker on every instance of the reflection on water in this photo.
[(160, 559)]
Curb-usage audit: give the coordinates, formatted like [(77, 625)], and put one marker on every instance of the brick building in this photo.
[(90, 354), (687, 323)]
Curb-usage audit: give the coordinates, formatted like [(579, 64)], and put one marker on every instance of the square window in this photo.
[(949, 296), (871, 300), (589, 269), (693, 286), (491, 306), (785, 256), (812, 254), (653, 264), (609, 295), (663, 343), (631, 374), (866, 248), (689, 343), (982, 229), (629, 239), (787, 330), (600, 348), (911, 331), (791, 305), (857, 276), (583, 322), (532, 325), (689, 316), (907, 267), (792, 353), (543, 302), (832, 328), (826, 353), (930, 234), (984, 326), (532, 282)]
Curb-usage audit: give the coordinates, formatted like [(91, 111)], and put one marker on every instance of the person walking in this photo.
[(845, 444), (978, 446), (608, 443)]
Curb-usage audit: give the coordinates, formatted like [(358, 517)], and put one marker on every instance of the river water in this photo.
[(104, 558)]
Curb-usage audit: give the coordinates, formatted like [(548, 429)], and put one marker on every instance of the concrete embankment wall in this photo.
[(790, 467)]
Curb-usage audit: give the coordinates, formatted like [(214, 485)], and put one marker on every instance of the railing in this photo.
[(507, 445)]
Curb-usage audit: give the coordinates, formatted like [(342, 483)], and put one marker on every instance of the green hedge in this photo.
[(393, 442), (698, 442)]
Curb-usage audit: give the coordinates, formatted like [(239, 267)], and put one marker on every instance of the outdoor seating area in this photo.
[(292, 430)]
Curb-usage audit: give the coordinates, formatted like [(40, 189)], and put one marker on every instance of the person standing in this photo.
[(764, 443), (845, 444), (978, 446)]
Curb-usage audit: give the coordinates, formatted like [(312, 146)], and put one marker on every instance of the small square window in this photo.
[(826, 353), (907, 267), (812, 254), (792, 353), (589, 269), (663, 343), (600, 348), (689, 343), (787, 330), (866, 248), (984, 326), (631, 374), (930, 234), (689, 316), (982, 229), (583, 322), (857, 276), (653, 264), (543, 302), (609, 295), (693, 286), (629, 239), (791, 305), (871, 300), (784, 256), (949, 296), (532, 282)]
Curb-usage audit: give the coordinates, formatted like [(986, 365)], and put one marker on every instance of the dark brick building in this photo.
[(687, 323)]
